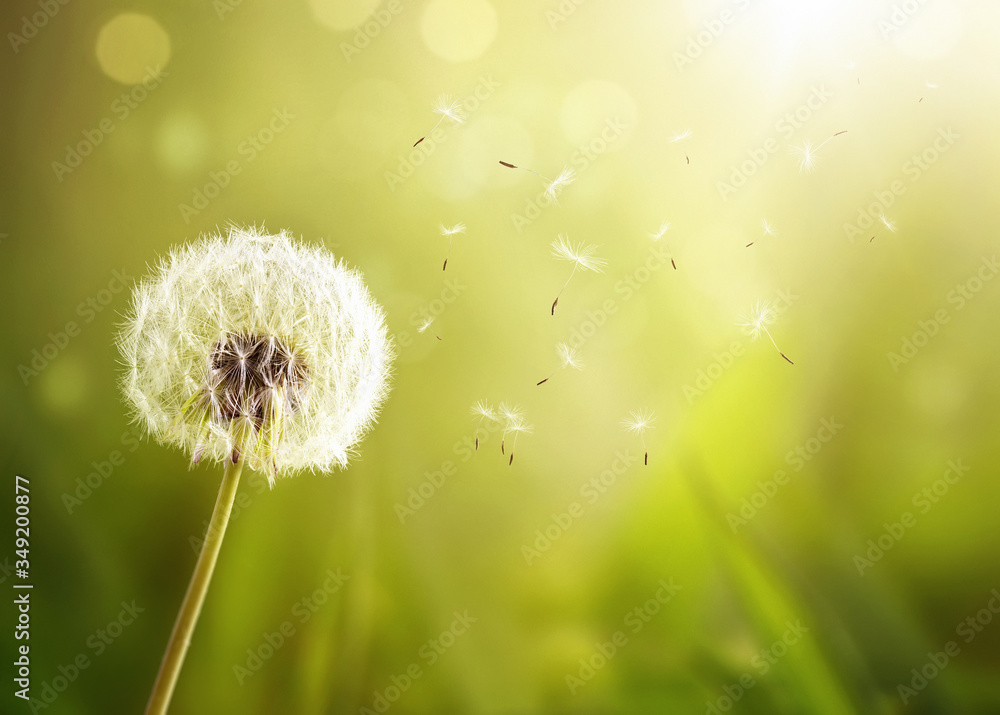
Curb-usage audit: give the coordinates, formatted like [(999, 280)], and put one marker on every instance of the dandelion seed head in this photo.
[(519, 425), (482, 409), (658, 233), (426, 323), (768, 228), (889, 224), (583, 254), (680, 136), (450, 108), (806, 153), (259, 344), (570, 356), (756, 320), (566, 176), (457, 228), (639, 421), (512, 414)]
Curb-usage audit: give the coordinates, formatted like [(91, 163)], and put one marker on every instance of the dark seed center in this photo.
[(252, 375)]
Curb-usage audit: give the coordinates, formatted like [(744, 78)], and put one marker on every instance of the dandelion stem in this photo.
[(556, 301), (768, 332), (180, 638), (524, 168)]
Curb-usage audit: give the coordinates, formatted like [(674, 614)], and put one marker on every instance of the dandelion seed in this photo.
[(807, 153), (450, 233), (425, 324), (511, 415), (553, 186), (448, 108), (886, 224), (569, 357), (581, 255), (483, 411), (767, 228), (639, 421), (756, 321), (517, 427), (253, 350), (658, 234), (681, 136)]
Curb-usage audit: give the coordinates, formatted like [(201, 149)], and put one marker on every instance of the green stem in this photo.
[(180, 638)]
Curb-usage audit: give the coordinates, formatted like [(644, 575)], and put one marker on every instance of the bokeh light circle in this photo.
[(132, 47), (459, 30)]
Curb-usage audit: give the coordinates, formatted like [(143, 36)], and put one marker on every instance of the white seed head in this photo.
[(425, 323), (582, 254), (256, 345), (658, 234), (680, 136), (566, 176), (889, 224), (806, 156), (482, 409), (520, 425), (639, 421), (457, 228), (767, 228), (570, 356), (756, 320), (510, 413), (451, 108)]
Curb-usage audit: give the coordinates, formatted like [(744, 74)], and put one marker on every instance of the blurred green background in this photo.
[(128, 128)]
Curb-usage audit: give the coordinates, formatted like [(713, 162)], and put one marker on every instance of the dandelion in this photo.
[(255, 350), (886, 224), (553, 186), (569, 357), (450, 233), (483, 411), (807, 153), (582, 256), (639, 421), (424, 325), (767, 228), (448, 108), (517, 427), (658, 234), (756, 321), (681, 136)]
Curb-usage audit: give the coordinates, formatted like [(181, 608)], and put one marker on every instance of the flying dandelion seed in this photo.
[(807, 153), (679, 137), (639, 421), (511, 415), (658, 234), (450, 233), (886, 224), (569, 357), (253, 350), (767, 228), (581, 255), (552, 186), (483, 411), (448, 108), (427, 322), (517, 427), (756, 321)]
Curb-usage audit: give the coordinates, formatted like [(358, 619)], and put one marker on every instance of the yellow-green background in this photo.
[(323, 178)]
